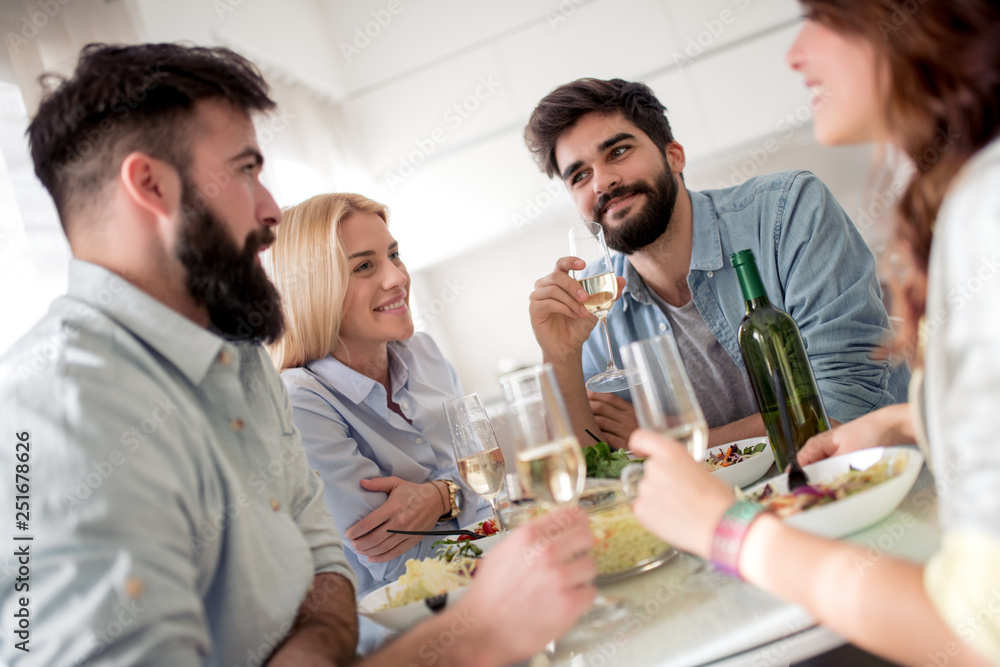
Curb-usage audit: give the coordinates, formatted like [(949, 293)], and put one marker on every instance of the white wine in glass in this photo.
[(483, 472), (602, 290), (586, 241), (480, 460), (550, 463), (551, 472), (665, 402)]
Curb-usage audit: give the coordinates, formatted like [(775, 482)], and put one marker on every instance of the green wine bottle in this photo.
[(772, 346)]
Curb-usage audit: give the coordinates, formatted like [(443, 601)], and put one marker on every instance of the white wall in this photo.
[(426, 110)]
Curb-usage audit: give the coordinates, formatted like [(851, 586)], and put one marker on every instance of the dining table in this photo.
[(730, 623)]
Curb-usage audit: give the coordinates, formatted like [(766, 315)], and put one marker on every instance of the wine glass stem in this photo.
[(496, 516), (607, 344)]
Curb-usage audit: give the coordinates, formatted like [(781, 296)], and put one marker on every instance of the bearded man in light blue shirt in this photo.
[(611, 144)]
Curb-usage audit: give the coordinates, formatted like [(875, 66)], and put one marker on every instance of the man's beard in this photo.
[(649, 223), (241, 300)]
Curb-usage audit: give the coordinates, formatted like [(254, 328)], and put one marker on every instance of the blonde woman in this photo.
[(366, 391)]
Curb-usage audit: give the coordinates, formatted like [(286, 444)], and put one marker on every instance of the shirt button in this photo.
[(236, 424), (225, 357), (711, 274), (663, 327), (405, 405), (134, 587), (420, 441), (275, 504)]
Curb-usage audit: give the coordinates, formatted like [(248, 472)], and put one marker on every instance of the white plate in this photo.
[(484, 543), (402, 618), (860, 510), (748, 471)]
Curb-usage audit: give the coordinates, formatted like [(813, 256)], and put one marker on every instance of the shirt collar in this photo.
[(189, 347), (706, 248), (355, 386)]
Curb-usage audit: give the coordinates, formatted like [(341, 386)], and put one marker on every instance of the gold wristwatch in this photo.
[(455, 498)]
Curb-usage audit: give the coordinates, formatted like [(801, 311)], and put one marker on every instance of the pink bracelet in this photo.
[(730, 533)]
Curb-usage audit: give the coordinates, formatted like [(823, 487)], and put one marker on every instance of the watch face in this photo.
[(459, 500)]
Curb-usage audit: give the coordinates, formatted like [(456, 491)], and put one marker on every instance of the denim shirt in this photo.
[(814, 265)]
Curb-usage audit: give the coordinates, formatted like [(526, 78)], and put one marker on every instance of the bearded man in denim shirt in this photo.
[(611, 144)]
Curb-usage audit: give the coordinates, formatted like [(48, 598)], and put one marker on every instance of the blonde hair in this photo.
[(308, 265)]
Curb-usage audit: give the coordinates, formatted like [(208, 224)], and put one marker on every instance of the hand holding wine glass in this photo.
[(662, 394), (665, 403), (586, 241), (549, 461), (480, 460)]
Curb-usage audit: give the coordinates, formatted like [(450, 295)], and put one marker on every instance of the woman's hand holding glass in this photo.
[(665, 403), (677, 499)]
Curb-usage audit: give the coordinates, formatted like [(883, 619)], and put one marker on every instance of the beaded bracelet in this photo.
[(729, 534)]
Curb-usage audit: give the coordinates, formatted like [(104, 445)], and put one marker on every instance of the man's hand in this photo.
[(558, 317), (534, 585), (615, 416), (409, 506), (531, 590), (891, 425)]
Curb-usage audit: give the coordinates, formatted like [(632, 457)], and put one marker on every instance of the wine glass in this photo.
[(586, 241), (549, 461), (662, 395), (480, 461), (665, 402)]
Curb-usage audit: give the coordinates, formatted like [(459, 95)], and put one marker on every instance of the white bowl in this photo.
[(402, 618), (860, 510), (748, 471)]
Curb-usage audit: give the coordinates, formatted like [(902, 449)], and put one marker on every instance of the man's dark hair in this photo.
[(563, 107), (122, 99)]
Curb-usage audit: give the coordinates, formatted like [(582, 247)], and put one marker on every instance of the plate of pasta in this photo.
[(846, 493), (428, 586)]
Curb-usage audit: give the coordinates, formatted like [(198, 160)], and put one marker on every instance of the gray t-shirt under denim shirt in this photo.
[(709, 366)]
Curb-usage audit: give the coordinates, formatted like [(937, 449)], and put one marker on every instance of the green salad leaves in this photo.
[(602, 461)]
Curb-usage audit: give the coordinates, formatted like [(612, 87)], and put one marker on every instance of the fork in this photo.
[(796, 475)]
